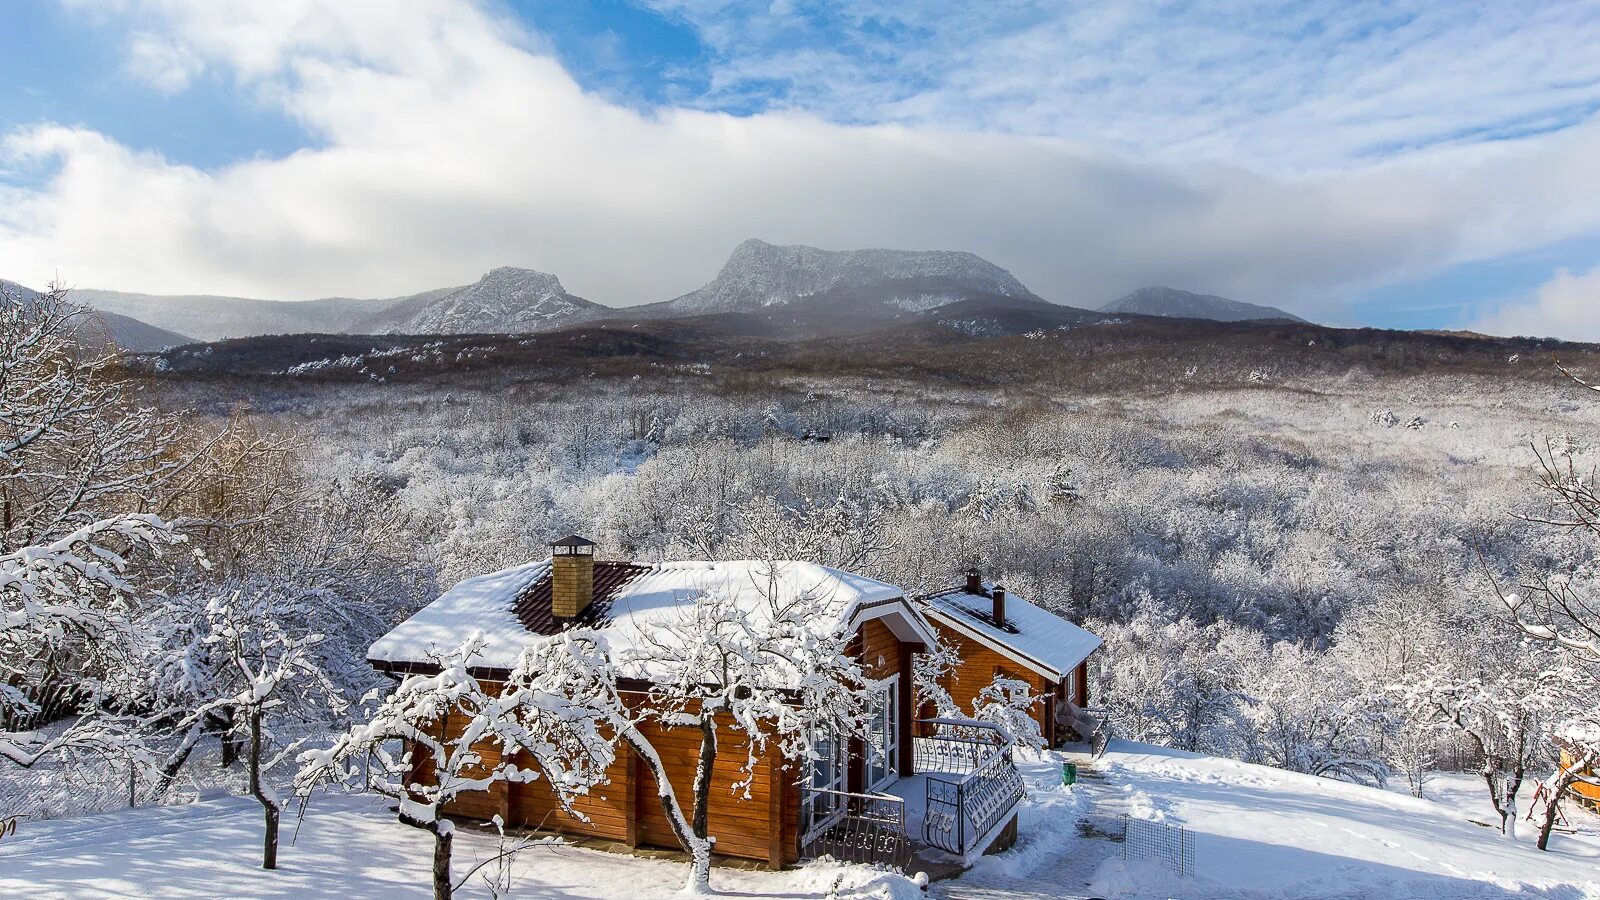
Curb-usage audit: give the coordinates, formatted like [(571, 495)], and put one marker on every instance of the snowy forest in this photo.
[(1367, 576)]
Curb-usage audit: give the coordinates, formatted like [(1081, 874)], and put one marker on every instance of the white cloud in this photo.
[(161, 63), (447, 142), (1567, 306), (1275, 85)]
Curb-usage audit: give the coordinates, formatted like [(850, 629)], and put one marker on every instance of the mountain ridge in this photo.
[(126, 332), (759, 275), (1174, 303)]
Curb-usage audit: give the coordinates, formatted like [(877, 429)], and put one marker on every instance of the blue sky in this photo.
[(1398, 164)]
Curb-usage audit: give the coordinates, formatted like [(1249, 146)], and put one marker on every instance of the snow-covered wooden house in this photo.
[(954, 786), (998, 634)]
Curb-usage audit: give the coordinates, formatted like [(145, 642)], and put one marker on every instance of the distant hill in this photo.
[(126, 332), (211, 318), (759, 276), (139, 337), (505, 300), (1173, 303)]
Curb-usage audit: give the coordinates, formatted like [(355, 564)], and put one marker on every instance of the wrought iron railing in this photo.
[(858, 828), (972, 783)]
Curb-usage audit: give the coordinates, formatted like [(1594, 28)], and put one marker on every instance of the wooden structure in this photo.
[(791, 808), (1585, 792), (999, 634)]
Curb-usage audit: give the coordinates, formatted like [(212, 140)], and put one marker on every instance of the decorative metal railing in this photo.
[(858, 828), (961, 810)]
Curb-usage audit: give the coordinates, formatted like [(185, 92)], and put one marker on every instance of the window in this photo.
[(883, 735), (825, 802)]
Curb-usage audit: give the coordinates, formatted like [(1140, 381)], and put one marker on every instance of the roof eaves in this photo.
[(997, 645)]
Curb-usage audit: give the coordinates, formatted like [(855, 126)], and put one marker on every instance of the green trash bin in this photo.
[(1069, 773)]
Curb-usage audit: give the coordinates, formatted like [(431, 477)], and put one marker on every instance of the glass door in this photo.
[(883, 735)]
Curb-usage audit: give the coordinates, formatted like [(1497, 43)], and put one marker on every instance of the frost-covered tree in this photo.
[(554, 712), (932, 671), (1562, 609), (1175, 683), (1010, 703), (249, 660), (1507, 709), (1306, 714), (779, 674), (80, 460)]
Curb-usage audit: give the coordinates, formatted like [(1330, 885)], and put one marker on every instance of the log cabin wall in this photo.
[(747, 822), (1587, 794), (751, 823), (979, 665)]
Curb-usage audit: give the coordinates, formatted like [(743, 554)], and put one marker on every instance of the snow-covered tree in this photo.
[(1507, 710), (1306, 714), (554, 711), (931, 672), (778, 675), (1010, 703), (80, 461), (1175, 683), (249, 662), (1562, 609), (1578, 744)]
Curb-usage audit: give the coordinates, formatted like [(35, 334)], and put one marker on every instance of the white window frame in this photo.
[(888, 715), (820, 811)]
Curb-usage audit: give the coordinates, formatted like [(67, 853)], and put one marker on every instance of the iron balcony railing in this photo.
[(972, 781), (857, 828)]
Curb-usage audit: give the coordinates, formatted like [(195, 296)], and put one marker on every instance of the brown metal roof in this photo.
[(532, 606)]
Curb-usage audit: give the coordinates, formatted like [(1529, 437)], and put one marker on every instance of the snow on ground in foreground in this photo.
[(351, 848), (1267, 833), (1261, 834)]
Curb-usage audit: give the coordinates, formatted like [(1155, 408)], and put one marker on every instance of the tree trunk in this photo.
[(1558, 789), (443, 832), (179, 756), (269, 843), (702, 775), (230, 743), (1513, 784), (442, 837), (1495, 797), (699, 849)]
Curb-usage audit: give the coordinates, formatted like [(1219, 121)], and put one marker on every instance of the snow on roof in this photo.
[(481, 604), (655, 597), (1035, 637)]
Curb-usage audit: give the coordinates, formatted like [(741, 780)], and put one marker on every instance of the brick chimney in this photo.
[(974, 582), (999, 595), (571, 576)]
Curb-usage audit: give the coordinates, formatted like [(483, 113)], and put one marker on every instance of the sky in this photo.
[(1394, 164)]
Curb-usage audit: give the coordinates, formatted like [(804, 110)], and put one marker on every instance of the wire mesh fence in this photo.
[(1171, 844)]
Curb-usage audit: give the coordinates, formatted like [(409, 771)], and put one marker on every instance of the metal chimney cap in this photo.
[(572, 545)]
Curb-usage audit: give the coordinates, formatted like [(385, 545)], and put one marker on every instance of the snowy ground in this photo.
[(1262, 834), (347, 847), (1265, 833)]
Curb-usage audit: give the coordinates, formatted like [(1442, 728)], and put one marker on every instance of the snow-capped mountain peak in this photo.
[(506, 299), (758, 275)]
